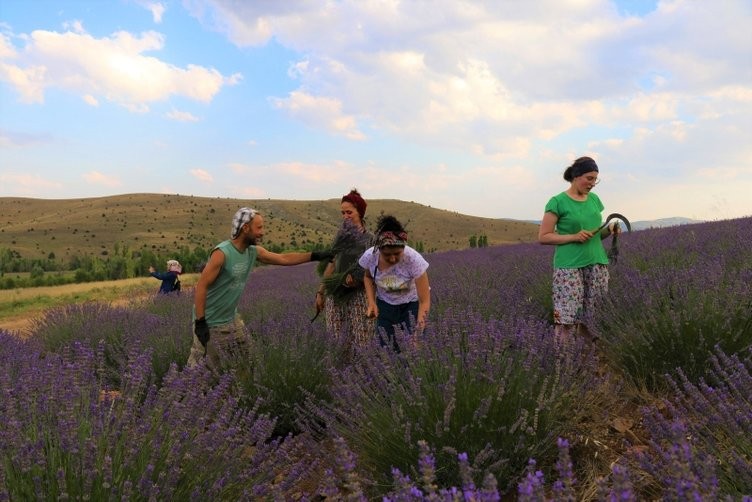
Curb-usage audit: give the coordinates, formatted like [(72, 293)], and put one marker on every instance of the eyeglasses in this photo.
[(593, 180)]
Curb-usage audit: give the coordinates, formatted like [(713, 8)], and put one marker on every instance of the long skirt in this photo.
[(347, 320)]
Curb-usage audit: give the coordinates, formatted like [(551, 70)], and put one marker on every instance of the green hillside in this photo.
[(35, 228)]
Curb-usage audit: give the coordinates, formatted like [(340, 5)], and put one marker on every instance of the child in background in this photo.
[(170, 279)]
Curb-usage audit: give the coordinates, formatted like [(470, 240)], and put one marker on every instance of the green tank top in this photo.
[(574, 216), (223, 295)]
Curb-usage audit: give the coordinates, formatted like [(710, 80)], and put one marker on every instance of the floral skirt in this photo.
[(577, 291), (347, 320)]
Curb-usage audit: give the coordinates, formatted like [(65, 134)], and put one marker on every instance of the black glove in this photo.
[(321, 255), (202, 331)]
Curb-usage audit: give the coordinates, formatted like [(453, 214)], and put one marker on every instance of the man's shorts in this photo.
[(226, 342)]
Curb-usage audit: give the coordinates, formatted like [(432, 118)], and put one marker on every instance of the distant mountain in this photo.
[(659, 223), (662, 222)]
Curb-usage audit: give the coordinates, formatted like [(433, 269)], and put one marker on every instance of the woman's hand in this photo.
[(612, 229), (420, 326), (319, 304), (582, 236), (372, 311)]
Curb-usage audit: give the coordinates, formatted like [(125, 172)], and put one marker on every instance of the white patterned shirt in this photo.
[(395, 285)]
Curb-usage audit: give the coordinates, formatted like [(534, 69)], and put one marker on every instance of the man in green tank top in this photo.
[(218, 329)]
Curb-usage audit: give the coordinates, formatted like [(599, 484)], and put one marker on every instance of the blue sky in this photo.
[(475, 107)]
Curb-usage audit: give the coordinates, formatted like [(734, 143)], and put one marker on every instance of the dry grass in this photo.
[(35, 228), (20, 306)]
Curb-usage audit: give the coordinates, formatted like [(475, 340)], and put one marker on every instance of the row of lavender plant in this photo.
[(700, 449), (497, 391), (160, 324), (676, 294), (67, 435), (487, 346)]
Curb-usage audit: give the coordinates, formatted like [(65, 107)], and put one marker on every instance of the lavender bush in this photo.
[(287, 364), (425, 487), (698, 445), (657, 318), (495, 282), (498, 391), (291, 357), (121, 328), (66, 435), (615, 487), (280, 292), (344, 482), (702, 442)]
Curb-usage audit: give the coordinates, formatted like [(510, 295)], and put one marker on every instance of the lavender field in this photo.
[(96, 404)]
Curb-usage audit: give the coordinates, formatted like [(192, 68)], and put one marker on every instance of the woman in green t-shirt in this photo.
[(570, 222)]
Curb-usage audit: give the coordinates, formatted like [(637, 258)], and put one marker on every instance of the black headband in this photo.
[(583, 165)]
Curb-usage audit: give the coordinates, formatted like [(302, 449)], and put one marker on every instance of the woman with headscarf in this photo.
[(396, 281), (341, 294), (170, 279)]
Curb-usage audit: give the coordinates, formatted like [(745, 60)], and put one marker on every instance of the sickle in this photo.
[(613, 253), (615, 216), (317, 314)]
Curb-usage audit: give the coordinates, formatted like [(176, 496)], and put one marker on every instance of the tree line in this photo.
[(478, 241), (121, 262)]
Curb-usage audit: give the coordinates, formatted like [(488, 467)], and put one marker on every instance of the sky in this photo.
[(471, 106)]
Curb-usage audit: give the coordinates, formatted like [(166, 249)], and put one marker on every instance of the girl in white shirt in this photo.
[(396, 282)]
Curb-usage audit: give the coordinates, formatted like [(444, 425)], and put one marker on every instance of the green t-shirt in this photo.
[(223, 295), (574, 216)]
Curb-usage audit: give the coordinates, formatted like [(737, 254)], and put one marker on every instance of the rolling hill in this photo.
[(35, 228)]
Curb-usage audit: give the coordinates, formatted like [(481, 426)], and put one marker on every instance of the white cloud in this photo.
[(464, 74), (115, 68), (97, 178), (202, 175), (250, 192), (238, 168), (480, 105), (181, 116), (322, 112), (28, 184), (304, 172), (90, 100), (75, 26), (250, 23), (157, 9)]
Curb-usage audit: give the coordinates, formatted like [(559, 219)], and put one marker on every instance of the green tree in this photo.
[(37, 272)]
